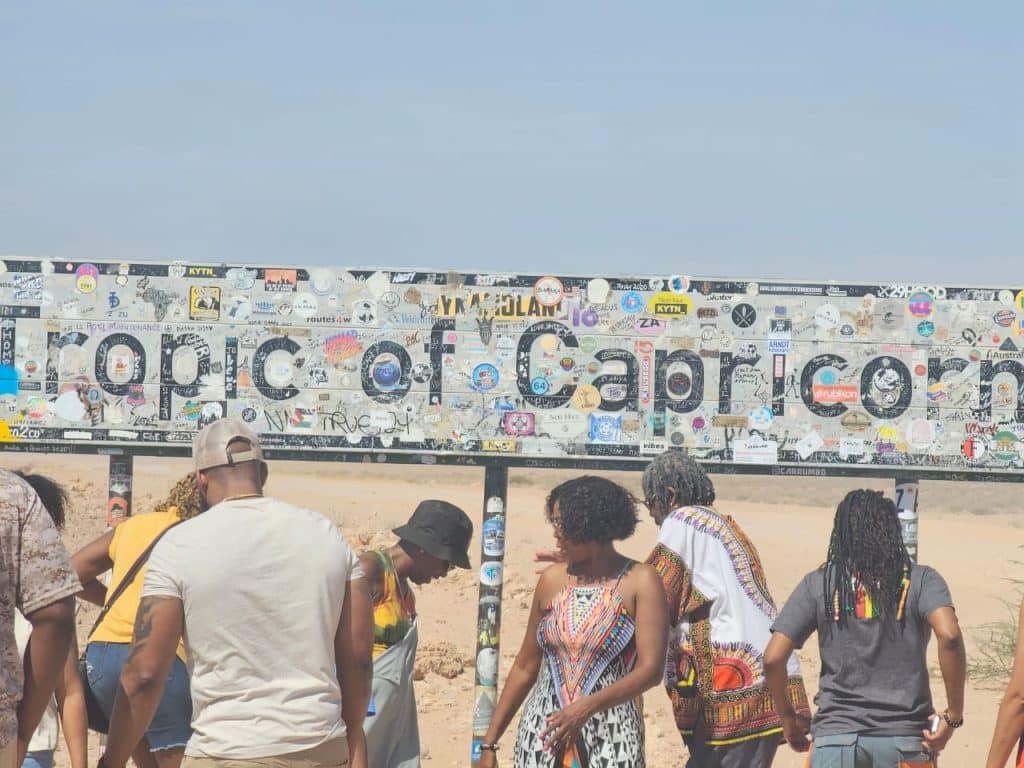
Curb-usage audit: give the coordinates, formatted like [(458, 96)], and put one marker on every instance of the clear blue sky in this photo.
[(820, 140)]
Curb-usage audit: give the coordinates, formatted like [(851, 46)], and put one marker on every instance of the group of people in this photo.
[(699, 613), (252, 636), (242, 631)]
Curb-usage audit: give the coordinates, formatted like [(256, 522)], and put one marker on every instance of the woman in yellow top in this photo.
[(116, 551)]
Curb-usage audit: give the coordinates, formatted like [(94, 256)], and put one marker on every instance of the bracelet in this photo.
[(950, 722), (489, 747)]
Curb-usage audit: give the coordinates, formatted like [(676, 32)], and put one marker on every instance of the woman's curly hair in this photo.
[(53, 495), (184, 496), (593, 509)]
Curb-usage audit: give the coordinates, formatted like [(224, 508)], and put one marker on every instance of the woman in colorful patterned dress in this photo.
[(595, 641)]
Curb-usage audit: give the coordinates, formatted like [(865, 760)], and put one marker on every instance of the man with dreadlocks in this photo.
[(874, 611), (720, 612)]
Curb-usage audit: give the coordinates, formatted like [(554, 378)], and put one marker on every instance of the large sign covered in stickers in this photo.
[(749, 375)]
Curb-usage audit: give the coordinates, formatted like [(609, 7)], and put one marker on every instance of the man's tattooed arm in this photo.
[(159, 624)]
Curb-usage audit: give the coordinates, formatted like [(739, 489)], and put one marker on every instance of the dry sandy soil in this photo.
[(970, 532)]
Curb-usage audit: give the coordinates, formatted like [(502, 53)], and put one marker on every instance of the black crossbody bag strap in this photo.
[(128, 579)]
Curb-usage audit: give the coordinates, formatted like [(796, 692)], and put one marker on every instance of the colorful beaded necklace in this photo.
[(864, 607)]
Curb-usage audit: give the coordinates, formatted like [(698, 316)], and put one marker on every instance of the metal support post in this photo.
[(119, 490), (906, 510), (488, 624)]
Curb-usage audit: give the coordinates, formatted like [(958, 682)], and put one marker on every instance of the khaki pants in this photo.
[(9, 754), (330, 754)]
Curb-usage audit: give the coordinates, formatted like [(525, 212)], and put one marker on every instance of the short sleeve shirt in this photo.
[(35, 571), (130, 540), (262, 584), (874, 674)]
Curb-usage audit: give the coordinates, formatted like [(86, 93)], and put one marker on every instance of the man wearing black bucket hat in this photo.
[(435, 540)]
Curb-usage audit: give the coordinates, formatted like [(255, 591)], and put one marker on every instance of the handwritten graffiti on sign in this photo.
[(596, 368)]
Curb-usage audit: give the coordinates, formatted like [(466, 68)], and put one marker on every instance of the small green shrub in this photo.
[(996, 644)]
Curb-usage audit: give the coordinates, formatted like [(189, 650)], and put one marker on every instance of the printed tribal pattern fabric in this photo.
[(721, 612), (611, 739), (588, 642), (583, 631), (745, 561)]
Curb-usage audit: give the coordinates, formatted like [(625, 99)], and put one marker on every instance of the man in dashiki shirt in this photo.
[(721, 614)]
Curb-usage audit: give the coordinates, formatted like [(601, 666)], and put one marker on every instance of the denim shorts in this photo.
[(42, 758), (172, 724), (852, 750)]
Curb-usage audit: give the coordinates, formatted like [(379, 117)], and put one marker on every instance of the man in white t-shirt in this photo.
[(277, 621)]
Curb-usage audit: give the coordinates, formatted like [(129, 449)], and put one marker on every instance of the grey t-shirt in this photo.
[(874, 676)]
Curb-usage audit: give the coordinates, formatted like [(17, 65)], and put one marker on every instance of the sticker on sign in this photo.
[(755, 450)]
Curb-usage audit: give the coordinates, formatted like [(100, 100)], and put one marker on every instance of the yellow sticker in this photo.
[(586, 398), (204, 302), (500, 446), (549, 342), (668, 304)]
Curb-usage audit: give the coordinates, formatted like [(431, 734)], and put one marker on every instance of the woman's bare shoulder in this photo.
[(642, 576), (551, 580)]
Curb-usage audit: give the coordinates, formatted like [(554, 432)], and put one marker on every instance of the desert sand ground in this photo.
[(972, 533)]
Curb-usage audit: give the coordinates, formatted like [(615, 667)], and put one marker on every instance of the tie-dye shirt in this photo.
[(393, 610)]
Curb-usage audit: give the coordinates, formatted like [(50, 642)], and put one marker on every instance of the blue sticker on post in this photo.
[(8, 380), (679, 283), (494, 536), (631, 302), (387, 372), (605, 428), (485, 377)]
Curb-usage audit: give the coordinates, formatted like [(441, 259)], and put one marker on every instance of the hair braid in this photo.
[(866, 549)]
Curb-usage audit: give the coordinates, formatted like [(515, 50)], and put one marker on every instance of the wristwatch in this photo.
[(950, 721), (489, 747)]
